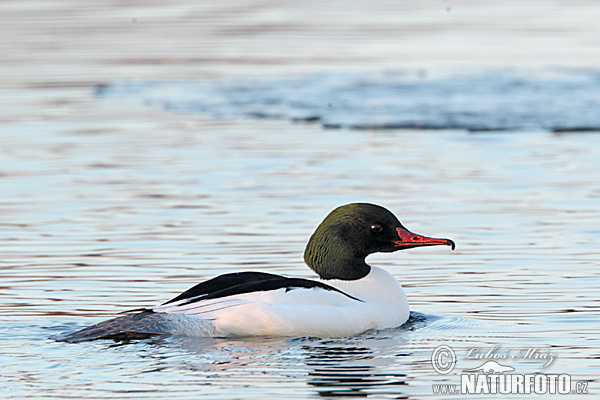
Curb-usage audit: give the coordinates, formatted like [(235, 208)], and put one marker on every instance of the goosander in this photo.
[(351, 298)]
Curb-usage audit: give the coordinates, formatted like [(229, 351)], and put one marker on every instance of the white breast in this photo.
[(382, 294)]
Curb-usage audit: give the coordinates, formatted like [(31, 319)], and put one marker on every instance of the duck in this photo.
[(350, 298)]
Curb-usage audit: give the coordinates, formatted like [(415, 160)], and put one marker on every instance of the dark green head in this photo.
[(338, 248)]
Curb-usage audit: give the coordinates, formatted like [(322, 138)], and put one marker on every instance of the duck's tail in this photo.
[(141, 325)]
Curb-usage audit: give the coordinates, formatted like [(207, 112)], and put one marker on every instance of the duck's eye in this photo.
[(376, 228)]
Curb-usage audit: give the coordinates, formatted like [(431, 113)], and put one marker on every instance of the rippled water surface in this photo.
[(134, 163), (493, 100)]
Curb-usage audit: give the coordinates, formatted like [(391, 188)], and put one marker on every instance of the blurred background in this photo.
[(146, 146)]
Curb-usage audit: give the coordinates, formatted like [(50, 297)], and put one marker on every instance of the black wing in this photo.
[(247, 282)]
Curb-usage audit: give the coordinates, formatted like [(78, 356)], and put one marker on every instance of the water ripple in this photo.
[(493, 100)]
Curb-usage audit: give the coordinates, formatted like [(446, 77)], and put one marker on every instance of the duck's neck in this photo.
[(335, 262)]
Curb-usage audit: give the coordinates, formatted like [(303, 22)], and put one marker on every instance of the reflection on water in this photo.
[(109, 203), (82, 242), (340, 369)]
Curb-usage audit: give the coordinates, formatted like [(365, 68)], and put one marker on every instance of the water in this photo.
[(494, 100), (121, 198)]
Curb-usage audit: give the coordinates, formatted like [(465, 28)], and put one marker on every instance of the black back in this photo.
[(247, 282)]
